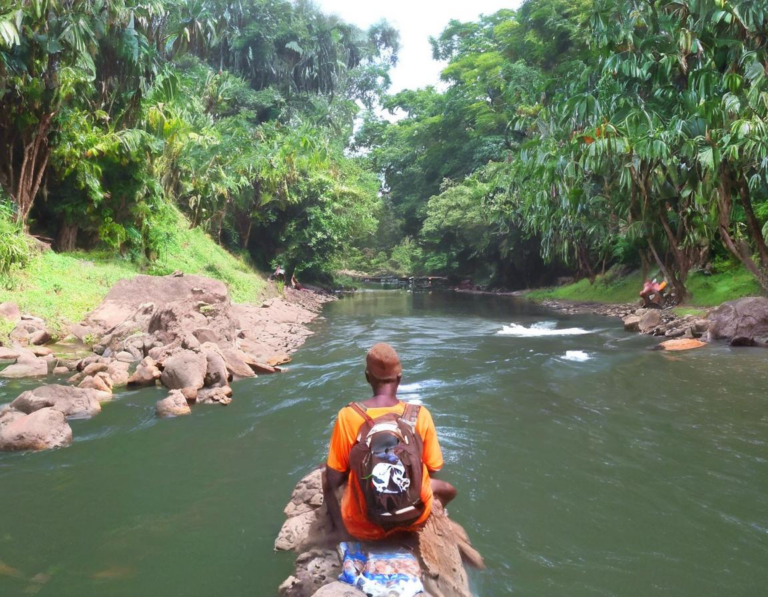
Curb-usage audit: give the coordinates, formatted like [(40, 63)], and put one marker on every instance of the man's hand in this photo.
[(332, 482)]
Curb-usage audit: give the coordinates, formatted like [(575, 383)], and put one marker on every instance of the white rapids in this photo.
[(544, 328)]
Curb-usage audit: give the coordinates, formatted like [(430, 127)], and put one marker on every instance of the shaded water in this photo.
[(586, 464)]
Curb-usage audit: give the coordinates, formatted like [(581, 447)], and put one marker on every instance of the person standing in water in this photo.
[(386, 451)]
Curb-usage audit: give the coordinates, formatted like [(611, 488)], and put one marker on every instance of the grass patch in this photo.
[(618, 290), (705, 291), (63, 287), (710, 291)]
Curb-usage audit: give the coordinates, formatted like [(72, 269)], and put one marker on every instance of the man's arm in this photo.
[(332, 482)]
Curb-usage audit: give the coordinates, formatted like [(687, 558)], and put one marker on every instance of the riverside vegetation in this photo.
[(569, 137)]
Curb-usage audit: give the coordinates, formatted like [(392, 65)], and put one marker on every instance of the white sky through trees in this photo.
[(416, 20)]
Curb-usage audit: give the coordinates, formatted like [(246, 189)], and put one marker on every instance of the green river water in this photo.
[(587, 464)]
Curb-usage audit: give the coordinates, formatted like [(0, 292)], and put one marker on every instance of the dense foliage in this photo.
[(587, 134), (112, 111)]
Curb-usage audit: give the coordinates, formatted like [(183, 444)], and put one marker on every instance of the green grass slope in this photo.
[(705, 291), (62, 287)]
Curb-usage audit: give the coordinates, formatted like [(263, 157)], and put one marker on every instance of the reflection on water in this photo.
[(586, 464)]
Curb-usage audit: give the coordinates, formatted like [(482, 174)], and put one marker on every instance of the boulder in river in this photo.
[(184, 369), (41, 430), (175, 405), (26, 365), (743, 322), (649, 320), (70, 401), (8, 354), (146, 374)]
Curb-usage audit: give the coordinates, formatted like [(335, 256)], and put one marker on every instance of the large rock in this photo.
[(175, 405), (314, 569), (118, 373), (237, 363), (26, 365), (307, 495), (10, 312), (219, 395), (42, 430), (30, 331), (71, 402), (101, 382), (295, 531), (216, 373), (8, 354), (649, 321), (184, 369), (146, 374), (126, 296), (743, 322)]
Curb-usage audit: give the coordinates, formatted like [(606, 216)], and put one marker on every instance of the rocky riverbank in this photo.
[(180, 332)]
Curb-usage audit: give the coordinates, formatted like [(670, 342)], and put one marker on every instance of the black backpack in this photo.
[(387, 459)]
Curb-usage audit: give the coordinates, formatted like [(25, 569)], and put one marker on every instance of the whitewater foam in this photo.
[(544, 328), (578, 356)]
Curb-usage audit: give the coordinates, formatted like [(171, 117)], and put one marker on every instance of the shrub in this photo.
[(15, 245)]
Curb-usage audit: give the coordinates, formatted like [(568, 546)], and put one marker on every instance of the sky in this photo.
[(416, 20)]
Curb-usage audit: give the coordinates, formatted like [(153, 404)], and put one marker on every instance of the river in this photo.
[(587, 465)]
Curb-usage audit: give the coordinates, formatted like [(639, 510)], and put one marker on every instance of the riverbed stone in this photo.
[(71, 401), (743, 322), (218, 395), (100, 382), (125, 357), (40, 337), (10, 312), (43, 429), (8, 354), (184, 369), (118, 373), (146, 374), (237, 363), (216, 374), (174, 405), (31, 367), (649, 321), (632, 323)]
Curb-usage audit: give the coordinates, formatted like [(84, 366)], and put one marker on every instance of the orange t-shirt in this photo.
[(353, 507)]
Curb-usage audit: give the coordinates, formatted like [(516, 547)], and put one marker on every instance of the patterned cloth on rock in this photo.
[(379, 572)]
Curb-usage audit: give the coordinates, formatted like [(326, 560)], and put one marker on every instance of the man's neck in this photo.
[(383, 396)]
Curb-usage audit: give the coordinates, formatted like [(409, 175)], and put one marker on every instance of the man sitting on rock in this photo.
[(652, 293), (385, 450)]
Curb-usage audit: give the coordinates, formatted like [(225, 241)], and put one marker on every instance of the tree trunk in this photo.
[(739, 250), (66, 239), (680, 290), (752, 224), (33, 165)]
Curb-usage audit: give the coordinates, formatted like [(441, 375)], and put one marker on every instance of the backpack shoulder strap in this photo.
[(361, 410), (411, 414)]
